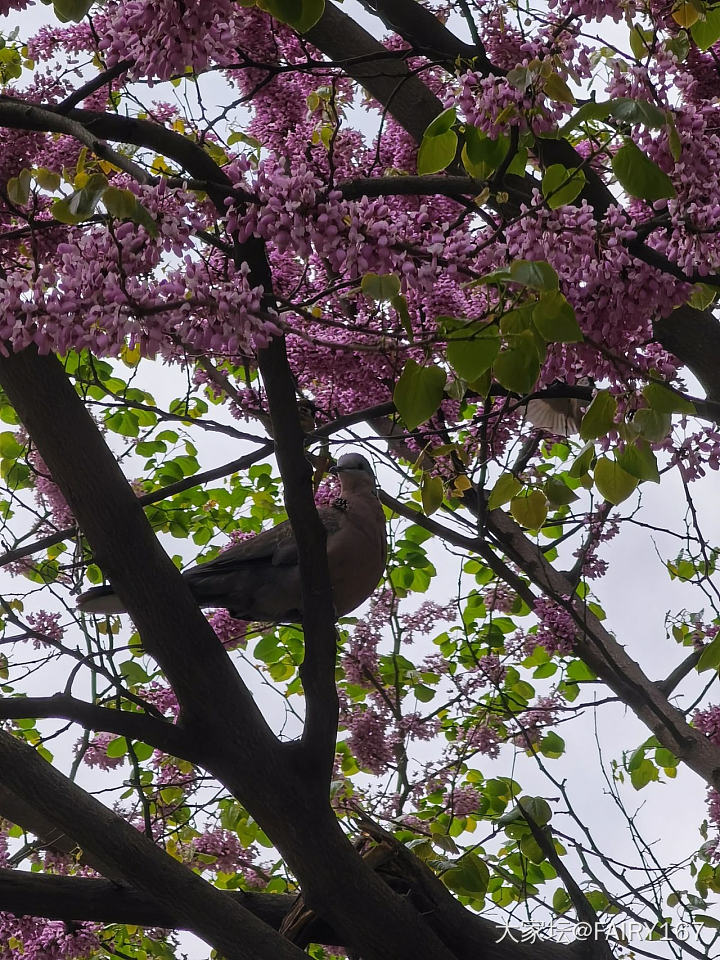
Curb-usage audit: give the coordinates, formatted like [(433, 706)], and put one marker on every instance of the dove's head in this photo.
[(355, 473)]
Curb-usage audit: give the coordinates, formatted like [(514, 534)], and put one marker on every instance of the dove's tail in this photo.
[(100, 600)]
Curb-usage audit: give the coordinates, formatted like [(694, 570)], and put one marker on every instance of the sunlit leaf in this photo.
[(506, 487), (530, 510), (613, 483), (599, 417)]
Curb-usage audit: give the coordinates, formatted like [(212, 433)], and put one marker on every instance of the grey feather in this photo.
[(259, 579)]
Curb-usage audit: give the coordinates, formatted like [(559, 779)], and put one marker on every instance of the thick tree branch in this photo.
[(173, 629), (595, 644), (161, 734), (135, 859), (405, 96), (603, 654), (82, 898)]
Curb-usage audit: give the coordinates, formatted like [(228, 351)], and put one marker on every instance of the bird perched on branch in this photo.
[(560, 416), (259, 579)]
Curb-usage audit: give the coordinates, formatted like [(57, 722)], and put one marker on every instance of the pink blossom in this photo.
[(48, 625)]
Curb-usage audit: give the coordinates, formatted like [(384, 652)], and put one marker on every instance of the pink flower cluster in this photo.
[(48, 625), (499, 597), (708, 722), (161, 697), (371, 740), (163, 37), (101, 292), (232, 633), (556, 629), (36, 939)]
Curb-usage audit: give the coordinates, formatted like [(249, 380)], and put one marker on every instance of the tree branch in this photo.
[(161, 734), (135, 859)]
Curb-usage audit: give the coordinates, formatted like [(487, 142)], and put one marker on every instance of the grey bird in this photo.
[(259, 579)]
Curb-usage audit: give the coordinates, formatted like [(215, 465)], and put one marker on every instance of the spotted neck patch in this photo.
[(340, 503)]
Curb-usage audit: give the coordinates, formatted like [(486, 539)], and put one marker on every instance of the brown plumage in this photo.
[(259, 579)]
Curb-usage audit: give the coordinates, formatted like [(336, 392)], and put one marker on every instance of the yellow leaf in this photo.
[(131, 358), (686, 14)]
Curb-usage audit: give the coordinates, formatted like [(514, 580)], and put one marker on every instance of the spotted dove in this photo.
[(259, 579)]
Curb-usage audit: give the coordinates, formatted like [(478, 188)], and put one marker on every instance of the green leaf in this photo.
[(83, 202), (469, 878), (583, 461), (399, 304), (674, 141), (18, 188), (554, 319), (561, 901), (530, 510), (436, 153), (47, 179), (119, 203), (599, 417), (628, 110), (561, 186), (60, 210), (707, 32), (469, 358), (519, 162), (71, 9), (558, 492), (639, 176), (117, 747), (710, 657), (639, 461), (702, 296), (588, 111), (556, 88), (481, 155), (653, 424), (537, 809), (518, 367), (301, 15), (418, 393), (9, 446), (379, 287), (679, 45), (552, 746), (643, 773), (506, 487), (640, 41), (537, 274), (578, 672), (432, 492), (442, 123), (663, 400), (614, 483), (10, 64), (664, 758), (515, 321)]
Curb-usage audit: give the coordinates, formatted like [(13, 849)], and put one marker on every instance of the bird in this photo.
[(560, 416), (258, 580)]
